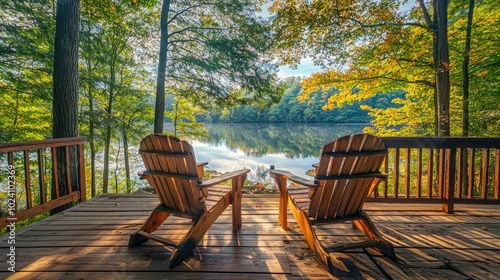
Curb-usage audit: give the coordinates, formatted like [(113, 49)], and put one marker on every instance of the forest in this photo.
[(292, 110), (426, 68)]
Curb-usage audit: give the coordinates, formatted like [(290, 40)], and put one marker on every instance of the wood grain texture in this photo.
[(89, 241)]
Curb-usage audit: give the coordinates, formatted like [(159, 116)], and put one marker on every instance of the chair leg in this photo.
[(320, 253), (282, 215), (154, 220), (237, 185), (196, 233), (368, 228)]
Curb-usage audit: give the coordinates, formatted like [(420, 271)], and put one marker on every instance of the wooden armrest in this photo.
[(294, 178), (202, 163), (223, 177)]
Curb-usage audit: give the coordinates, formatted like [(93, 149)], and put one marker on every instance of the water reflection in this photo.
[(294, 147)]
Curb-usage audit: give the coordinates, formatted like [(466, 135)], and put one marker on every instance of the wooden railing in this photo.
[(33, 177), (441, 170)]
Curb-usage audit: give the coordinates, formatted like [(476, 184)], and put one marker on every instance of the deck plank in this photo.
[(89, 241)]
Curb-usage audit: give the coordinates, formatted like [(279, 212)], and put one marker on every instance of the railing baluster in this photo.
[(450, 165), (27, 181), (419, 173), (386, 170), (55, 173), (430, 173), (441, 170), (407, 173), (460, 171), (484, 173), (10, 161), (68, 170), (81, 173), (396, 172), (41, 174), (470, 189)]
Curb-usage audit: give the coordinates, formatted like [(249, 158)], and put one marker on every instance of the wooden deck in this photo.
[(89, 241)]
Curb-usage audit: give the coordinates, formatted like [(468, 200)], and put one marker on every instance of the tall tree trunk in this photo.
[(92, 143), (465, 71), (465, 101), (162, 69), (432, 24), (435, 52), (126, 158), (65, 90), (91, 138), (105, 172), (109, 128), (443, 70)]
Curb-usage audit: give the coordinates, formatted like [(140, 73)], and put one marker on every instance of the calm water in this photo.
[(293, 147)]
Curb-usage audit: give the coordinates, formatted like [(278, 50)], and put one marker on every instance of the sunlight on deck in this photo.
[(89, 241)]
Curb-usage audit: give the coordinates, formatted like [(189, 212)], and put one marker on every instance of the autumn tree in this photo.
[(368, 47)]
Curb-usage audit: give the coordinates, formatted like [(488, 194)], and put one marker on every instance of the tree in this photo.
[(65, 90), (26, 66), (115, 80), (214, 52), (362, 46), (465, 70), (183, 117)]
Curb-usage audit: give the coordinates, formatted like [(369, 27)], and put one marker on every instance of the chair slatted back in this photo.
[(171, 171), (346, 171)]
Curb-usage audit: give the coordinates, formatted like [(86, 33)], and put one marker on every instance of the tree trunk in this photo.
[(443, 70), (162, 69), (435, 52), (105, 172), (65, 90), (109, 127), (92, 144), (127, 160), (465, 71), (465, 101)]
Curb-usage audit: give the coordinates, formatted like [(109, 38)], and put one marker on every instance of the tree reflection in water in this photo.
[(290, 146)]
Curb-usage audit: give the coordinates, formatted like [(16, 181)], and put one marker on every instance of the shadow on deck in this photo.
[(89, 241)]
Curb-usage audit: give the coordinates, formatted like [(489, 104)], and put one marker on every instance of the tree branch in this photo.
[(427, 17), (385, 23)]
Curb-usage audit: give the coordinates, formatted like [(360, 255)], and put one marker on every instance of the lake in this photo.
[(290, 146)]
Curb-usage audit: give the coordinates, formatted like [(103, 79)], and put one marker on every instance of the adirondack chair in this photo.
[(349, 169), (172, 171)]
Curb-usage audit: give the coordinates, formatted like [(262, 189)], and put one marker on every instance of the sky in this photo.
[(305, 68)]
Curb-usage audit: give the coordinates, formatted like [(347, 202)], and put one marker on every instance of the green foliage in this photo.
[(312, 110), (115, 84), (369, 48), (218, 54), (26, 51), (183, 118)]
